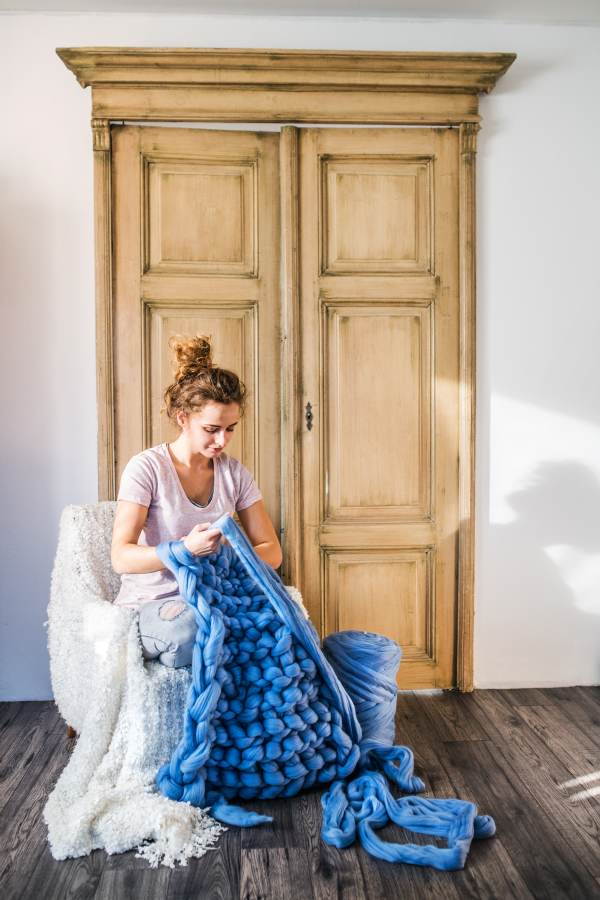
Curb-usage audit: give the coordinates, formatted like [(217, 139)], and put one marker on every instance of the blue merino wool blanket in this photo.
[(267, 716)]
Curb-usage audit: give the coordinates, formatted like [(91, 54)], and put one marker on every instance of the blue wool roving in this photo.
[(366, 664), (266, 714)]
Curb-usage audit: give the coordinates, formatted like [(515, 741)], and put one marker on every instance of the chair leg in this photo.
[(71, 733)]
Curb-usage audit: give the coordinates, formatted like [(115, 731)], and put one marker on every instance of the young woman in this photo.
[(174, 491)]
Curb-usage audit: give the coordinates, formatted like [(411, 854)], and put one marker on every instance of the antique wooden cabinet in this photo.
[(335, 269)]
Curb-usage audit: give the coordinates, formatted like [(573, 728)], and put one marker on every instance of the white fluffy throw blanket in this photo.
[(128, 713)]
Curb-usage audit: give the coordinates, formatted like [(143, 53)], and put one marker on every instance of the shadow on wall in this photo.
[(543, 572)]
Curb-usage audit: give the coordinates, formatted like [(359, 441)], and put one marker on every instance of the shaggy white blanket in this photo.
[(128, 713)]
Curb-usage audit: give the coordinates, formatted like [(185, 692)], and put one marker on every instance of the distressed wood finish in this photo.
[(104, 311), (291, 419), (342, 69), (379, 464), (196, 249), (466, 502), (520, 756), (290, 85)]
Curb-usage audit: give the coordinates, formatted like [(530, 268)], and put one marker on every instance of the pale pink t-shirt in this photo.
[(151, 480)]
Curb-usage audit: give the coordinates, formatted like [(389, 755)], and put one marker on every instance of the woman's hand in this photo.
[(202, 540)]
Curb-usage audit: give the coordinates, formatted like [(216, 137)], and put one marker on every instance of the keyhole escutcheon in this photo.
[(309, 416)]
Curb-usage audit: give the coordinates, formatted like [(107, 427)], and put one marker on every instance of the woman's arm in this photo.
[(130, 558), (261, 534)]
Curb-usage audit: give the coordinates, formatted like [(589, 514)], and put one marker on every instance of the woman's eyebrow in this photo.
[(206, 425)]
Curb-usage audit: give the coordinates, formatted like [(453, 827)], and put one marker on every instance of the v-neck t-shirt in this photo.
[(151, 480)]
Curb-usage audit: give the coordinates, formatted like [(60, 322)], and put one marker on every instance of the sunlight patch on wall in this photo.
[(522, 438), (581, 573)]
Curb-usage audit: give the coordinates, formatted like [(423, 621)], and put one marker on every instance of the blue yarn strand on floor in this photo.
[(268, 713)]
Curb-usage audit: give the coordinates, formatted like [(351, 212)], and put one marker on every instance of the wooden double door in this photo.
[(369, 226)]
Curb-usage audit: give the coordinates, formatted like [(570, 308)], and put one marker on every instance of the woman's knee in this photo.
[(168, 631)]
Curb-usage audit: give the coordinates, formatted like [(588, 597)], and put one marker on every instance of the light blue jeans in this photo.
[(168, 631)]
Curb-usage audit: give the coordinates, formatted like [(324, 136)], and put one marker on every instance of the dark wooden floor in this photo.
[(530, 758)]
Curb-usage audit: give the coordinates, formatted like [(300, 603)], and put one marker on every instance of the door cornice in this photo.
[(158, 84)]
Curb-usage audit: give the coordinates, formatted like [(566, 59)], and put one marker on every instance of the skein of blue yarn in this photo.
[(367, 665)]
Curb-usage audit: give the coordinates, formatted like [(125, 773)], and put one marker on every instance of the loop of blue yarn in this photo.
[(368, 805), (267, 715)]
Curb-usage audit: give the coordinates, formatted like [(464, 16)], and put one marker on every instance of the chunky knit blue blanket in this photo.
[(267, 715)]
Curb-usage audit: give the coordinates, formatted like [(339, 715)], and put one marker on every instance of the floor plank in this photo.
[(214, 876), (524, 696), (334, 874), (33, 717), (579, 706), (133, 884), (69, 879), (592, 690), (274, 874), (19, 759), (410, 882), (489, 871), (542, 773), (568, 742), (452, 721), (541, 855), (22, 830), (281, 832), (8, 713)]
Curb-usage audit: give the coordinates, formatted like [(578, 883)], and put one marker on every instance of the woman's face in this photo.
[(210, 430)]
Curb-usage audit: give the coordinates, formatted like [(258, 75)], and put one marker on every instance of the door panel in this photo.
[(196, 249), (375, 415), (236, 330), (379, 364), (391, 199), (387, 592), (200, 218)]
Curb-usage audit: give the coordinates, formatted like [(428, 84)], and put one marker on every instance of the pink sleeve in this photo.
[(137, 481), (247, 487)]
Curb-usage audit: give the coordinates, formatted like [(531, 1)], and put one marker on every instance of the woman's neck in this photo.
[(182, 453)]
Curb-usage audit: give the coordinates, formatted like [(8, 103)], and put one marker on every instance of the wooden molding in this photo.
[(104, 324), (160, 84), (101, 134), (468, 138), (327, 69), (290, 331), (466, 476)]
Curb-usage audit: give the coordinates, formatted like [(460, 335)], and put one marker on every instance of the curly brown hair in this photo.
[(197, 381)]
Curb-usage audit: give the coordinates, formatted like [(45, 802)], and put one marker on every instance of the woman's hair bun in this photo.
[(191, 356), (197, 381)]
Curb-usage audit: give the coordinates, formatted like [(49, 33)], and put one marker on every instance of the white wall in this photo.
[(538, 485)]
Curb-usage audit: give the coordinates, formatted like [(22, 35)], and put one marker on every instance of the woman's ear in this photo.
[(180, 418)]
